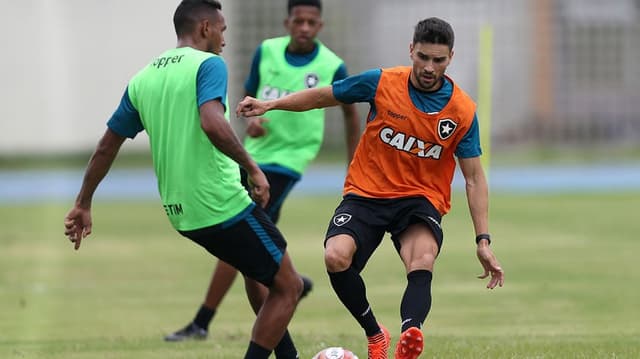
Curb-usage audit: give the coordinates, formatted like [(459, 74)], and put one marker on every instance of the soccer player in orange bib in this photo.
[(400, 179)]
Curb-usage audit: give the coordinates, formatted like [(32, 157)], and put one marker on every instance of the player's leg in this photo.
[(418, 238), (273, 287), (278, 307), (418, 250), (252, 244), (221, 281), (257, 293), (281, 182), (351, 290), (351, 240)]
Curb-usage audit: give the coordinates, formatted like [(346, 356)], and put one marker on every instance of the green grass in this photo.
[(571, 291)]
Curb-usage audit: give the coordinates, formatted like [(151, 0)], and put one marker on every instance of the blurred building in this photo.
[(564, 72)]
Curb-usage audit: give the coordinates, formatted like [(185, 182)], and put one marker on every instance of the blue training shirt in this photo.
[(363, 87), (211, 84), (253, 80)]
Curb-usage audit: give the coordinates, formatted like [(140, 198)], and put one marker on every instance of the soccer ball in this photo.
[(335, 353)]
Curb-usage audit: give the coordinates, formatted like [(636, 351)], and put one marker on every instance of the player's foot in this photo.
[(307, 285), (379, 344), (191, 331), (410, 344)]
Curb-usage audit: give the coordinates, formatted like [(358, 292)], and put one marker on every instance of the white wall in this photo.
[(66, 64), (69, 61)]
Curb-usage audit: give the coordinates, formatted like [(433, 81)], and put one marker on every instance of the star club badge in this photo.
[(446, 127), (341, 219)]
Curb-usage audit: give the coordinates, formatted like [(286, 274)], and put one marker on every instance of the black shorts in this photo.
[(281, 181), (249, 241), (368, 219)]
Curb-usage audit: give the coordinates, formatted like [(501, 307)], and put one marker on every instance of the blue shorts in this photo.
[(368, 219)]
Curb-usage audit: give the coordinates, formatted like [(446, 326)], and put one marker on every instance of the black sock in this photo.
[(285, 348), (352, 292), (203, 317), (416, 301), (255, 351)]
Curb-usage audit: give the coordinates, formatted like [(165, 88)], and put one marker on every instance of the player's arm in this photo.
[(350, 115), (99, 165), (352, 128), (124, 123), (222, 135), (211, 91), (300, 101), (224, 138), (478, 200), (468, 152), (358, 88), (78, 221), (477, 194), (254, 124)]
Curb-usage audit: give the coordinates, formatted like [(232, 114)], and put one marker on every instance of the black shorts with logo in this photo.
[(368, 219), (249, 241)]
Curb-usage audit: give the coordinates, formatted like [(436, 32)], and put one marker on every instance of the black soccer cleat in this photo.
[(307, 285), (191, 331)]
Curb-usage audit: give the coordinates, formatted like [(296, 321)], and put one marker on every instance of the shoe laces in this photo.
[(377, 347)]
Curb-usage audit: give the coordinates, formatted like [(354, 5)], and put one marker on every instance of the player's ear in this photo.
[(203, 28)]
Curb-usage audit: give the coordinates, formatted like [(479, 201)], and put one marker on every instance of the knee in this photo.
[(337, 260), (290, 289), (296, 289), (422, 261)]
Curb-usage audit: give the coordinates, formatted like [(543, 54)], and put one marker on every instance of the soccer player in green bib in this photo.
[(179, 99), (283, 143)]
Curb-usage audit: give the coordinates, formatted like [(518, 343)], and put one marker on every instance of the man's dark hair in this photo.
[(293, 3), (434, 31), (190, 12)]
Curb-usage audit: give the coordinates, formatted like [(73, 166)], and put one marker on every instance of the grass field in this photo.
[(572, 289)]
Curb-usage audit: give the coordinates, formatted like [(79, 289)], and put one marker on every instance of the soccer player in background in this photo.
[(282, 143), (400, 179), (179, 100)]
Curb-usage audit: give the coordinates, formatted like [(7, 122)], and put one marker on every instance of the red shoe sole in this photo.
[(410, 344)]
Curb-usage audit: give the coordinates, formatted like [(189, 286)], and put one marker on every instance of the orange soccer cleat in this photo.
[(379, 344), (410, 344)]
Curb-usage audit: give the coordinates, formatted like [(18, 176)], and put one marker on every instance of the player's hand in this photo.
[(255, 128), (77, 224), (491, 266), (251, 107), (259, 187)]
